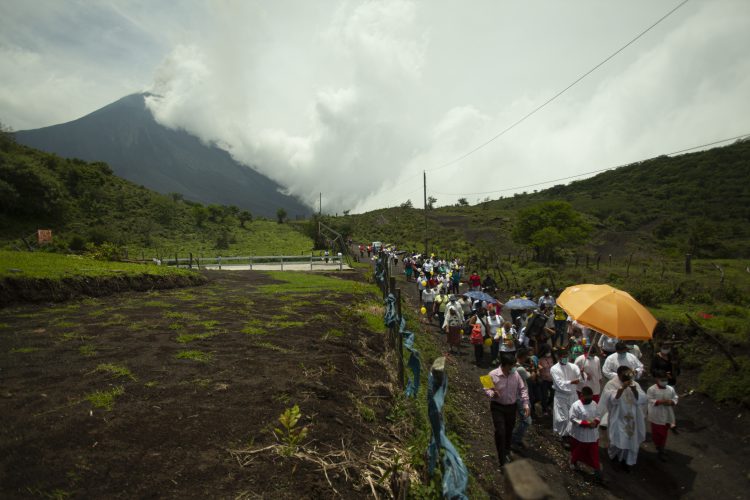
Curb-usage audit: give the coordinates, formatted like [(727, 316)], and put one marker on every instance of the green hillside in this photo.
[(86, 204), (695, 203)]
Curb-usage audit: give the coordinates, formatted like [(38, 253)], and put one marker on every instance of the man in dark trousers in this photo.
[(507, 390)]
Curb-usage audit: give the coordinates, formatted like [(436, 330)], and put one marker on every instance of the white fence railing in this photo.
[(256, 260)]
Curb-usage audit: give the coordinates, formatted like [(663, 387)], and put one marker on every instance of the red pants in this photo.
[(659, 434), (587, 453)]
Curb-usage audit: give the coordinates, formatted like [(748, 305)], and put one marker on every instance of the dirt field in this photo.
[(707, 459), (190, 374)]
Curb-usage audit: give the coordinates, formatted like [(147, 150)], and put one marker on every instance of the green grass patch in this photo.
[(24, 350), (184, 338), (334, 333), (105, 399), (151, 384), (98, 312), (209, 324), (65, 324), (157, 303), (87, 350), (200, 356), (273, 347), (67, 336), (255, 327), (181, 315), (116, 370), (722, 382), (176, 326), (57, 266)]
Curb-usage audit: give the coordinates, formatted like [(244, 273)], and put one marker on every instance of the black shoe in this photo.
[(625, 467), (660, 455)]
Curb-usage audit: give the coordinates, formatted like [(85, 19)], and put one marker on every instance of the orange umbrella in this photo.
[(608, 310)]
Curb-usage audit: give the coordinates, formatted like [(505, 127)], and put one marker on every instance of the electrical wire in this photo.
[(548, 101), (594, 171)]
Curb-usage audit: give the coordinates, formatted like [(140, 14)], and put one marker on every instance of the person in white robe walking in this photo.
[(626, 402), (565, 379)]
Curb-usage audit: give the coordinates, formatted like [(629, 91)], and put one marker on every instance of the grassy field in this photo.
[(56, 266)]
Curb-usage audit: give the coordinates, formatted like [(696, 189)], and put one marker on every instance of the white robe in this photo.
[(591, 373), (661, 414), (565, 396), (613, 362), (626, 426), (580, 412)]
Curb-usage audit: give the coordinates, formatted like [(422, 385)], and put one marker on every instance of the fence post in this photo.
[(251, 262), (282, 262), (598, 258), (341, 262), (688, 263), (311, 261), (190, 262), (219, 260)]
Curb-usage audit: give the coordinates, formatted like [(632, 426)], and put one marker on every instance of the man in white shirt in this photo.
[(621, 357)]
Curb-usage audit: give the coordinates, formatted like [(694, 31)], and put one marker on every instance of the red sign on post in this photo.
[(44, 236)]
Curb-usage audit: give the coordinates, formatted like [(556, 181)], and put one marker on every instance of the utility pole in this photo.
[(424, 226), (320, 205)]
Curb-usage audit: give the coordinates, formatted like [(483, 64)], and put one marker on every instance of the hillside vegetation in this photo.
[(87, 207), (696, 203)]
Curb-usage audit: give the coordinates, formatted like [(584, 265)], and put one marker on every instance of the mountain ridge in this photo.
[(125, 135)]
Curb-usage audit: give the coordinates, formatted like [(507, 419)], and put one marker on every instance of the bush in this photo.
[(723, 383)]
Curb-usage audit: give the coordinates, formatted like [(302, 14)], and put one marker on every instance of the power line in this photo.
[(545, 103), (593, 171)]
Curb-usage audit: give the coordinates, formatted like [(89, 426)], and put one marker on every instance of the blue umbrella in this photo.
[(521, 304), (476, 295)]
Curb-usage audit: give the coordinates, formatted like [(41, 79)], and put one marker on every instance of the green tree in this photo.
[(200, 214), (215, 213), (280, 215), (407, 204), (463, 202), (244, 216), (431, 200), (549, 227)]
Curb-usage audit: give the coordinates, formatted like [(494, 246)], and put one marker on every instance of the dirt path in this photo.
[(708, 458), (206, 369)]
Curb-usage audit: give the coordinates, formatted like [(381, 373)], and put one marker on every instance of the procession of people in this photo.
[(554, 361)]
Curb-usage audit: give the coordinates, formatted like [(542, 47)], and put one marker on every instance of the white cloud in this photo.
[(356, 99)]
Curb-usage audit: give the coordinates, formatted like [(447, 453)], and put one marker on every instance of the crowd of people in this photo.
[(545, 364)]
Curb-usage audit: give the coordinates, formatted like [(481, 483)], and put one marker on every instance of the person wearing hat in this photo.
[(621, 357), (565, 378)]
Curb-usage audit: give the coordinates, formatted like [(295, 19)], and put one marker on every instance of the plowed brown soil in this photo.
[(170, 431)]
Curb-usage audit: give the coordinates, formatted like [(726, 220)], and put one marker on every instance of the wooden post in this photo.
[(598, 258), (311, 261), (610, 260), (251, 262), (576, 260), (630, 260), (176, 263), (688, 263), (190, 262), (282, 262), (219, 260)]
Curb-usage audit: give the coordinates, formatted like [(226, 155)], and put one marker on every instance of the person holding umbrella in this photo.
[(622, 357)]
